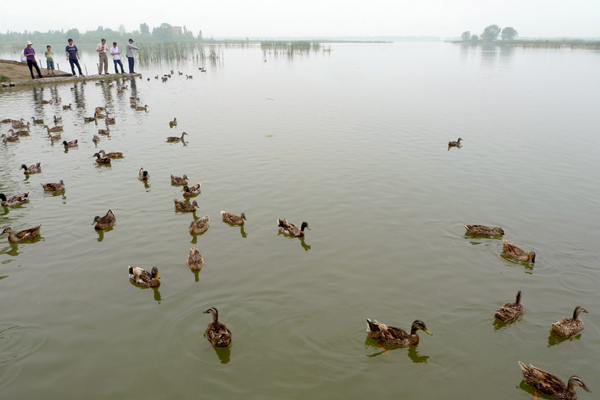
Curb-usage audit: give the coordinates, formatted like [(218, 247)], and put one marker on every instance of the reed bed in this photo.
[(158, 52)]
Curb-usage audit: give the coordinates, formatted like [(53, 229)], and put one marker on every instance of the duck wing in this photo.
[(29, 233)]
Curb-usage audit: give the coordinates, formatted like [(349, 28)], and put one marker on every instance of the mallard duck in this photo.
[(110, 121), (112, 154), (190, 191), (104, 131), (395, 336), (287, 228), (34, 169), (550, 384), (455, 144), (57, 119), (518, 254), (46, 101), (68, 107), (54, 129), (233, 219), (100, 159), (134, 99), (189, 77), (104, 222), (195, 260), (183, 206), (568, 327), (11, 138), (216, 332), (145, 108), (90, 119), (143, 174), (98, 109), (482, 230), (200, 226), (173, 123), (15, 200), (72, 143), (175, 180), (54, 187), (58, 136), (80, 105), (16, 124), (144, 278), (510, 312), (6, 121), (37, 121), (19, 133), (23, 235), (175, 138), (96, 139)]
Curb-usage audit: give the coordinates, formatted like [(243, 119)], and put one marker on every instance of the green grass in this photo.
[(4, 78)]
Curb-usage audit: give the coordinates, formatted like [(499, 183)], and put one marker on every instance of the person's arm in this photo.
[(66, 52)]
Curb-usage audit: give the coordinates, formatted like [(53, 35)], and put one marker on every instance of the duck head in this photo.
[(578, 310), (304, 225), (418, 324), (214, 312)]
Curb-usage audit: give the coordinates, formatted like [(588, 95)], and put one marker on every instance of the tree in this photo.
[(122, 29), (491, 33), (466, 35), (200, 35), (73, 34), (145, 29), (163, 32), (509, 33), (474, 38)]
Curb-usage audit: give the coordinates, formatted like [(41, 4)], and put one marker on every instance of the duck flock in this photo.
[(217, 332)]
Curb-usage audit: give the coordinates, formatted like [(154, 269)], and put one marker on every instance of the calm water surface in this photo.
[(354, 143)]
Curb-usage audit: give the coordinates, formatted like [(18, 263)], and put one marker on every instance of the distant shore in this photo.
[(555, 44)]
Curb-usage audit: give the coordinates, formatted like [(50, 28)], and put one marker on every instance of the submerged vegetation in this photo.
[(171, 51)]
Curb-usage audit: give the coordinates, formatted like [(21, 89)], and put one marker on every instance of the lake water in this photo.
[(353, 141)]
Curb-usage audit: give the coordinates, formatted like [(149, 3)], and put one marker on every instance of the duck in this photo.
[(99, 115), (138, 108), (104, 131), (144, 278), (187, 207), (482, 230), (34, 169), (104, 222), (96, 139), (173, 123), (54, 129), (455, 144), (6, 121), (17, 124), (22, 235), (510, 312), (57, 119), (100, 159), (10, 138), (287, 228), (68, 107), (175, 180), (550, 384), (37, 121), (386, 334), (143, 174), (46, 101), (14, 200), (191, 191), (80, 105), (72, 143), (110, 121), (54, 187), (112, 154), (513, 251), (216, 332), (89, 119), (19, 133), (569, 327), (195, 260), (189, 77), (232, 218), (175, 138), (200, 226), (58, 136)]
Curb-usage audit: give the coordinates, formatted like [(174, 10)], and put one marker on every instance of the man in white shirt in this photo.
[(102, 49), (114, 51)]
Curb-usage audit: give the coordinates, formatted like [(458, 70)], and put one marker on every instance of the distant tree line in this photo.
[(162, 33), (491, 33)]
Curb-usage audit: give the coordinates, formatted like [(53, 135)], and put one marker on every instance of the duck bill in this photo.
[(157, 275), (587, 389), (427, 332)]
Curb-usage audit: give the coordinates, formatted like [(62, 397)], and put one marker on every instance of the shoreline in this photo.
[(555, 44)]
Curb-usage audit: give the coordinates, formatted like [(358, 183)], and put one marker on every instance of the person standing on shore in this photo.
[(102, 49), (73, 57), (30, 55), (116, 55), (49, 60), (130, 49)]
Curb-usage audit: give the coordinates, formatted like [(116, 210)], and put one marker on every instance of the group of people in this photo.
[(72, 54)]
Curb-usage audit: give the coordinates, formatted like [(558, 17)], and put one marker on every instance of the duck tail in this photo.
[(372, 326), (222, 212), (523, 367)]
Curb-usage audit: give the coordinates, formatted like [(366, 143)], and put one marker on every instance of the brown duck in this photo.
[(23, 235), (195, 260), (395, 336), (200, 226), (569, 327), (550, 384), (510, 312), (513, 251), (482, 230), (216, 332), (232, 218)]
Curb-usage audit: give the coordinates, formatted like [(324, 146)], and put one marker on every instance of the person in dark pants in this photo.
[(73, 57), (116, 57), (130, 49), (30, 54)]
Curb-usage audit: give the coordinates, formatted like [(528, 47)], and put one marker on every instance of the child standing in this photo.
[(49, 60)]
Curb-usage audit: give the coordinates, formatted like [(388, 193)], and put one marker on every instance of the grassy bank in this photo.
[(553, 44)]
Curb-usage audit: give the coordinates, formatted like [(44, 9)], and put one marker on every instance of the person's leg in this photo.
[(115, 62), (30, 65), (79, 67), (130, 59), (121, 64), (99, 64), (72, 66), (105, 57), (37, 69)]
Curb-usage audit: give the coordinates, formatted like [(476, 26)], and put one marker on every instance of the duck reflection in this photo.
[(304, 245), (413, 354), (196, 275), (500, 324), (528, 266), (415, 357), (224, 354), (243, 232), (12, 250), (553, 340), (157, 296)]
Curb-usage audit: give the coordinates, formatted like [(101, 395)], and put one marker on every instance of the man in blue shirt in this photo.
[(73, 57)]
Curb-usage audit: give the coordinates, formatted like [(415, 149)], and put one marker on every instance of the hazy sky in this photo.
[(259, 18)]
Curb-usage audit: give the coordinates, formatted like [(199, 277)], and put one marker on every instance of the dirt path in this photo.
[(16, 71)]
